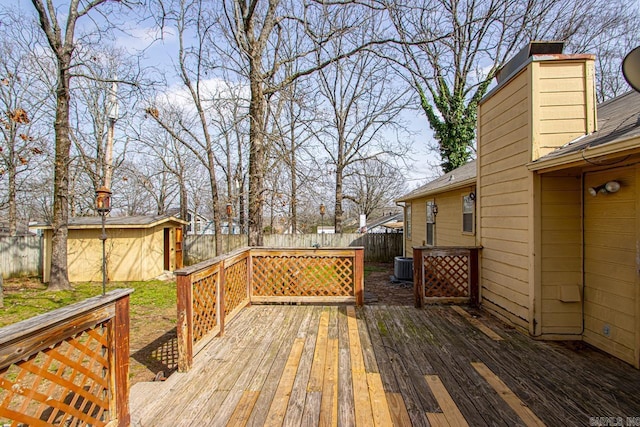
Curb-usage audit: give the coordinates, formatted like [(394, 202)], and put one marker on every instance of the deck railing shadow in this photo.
[(212, 292), (160, 355), (69, 366)]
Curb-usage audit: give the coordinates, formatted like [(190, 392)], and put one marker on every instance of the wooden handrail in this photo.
[(210, 293), (89, 339)]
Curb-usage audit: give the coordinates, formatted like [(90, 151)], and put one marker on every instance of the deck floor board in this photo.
[(325, 366)]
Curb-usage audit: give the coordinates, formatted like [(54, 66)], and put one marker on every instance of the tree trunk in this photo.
[(294, 185), (13, 216), (215, 202), (338, 206), (184, 204), (257, 110), (59, 278)]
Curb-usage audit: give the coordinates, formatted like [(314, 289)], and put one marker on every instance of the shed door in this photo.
[(611, 277), (167, 249), (179, 247)]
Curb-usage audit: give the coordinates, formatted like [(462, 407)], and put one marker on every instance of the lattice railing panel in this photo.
[(65, 384), (204, 305), (235, 290), (294, 276), (446, 276)]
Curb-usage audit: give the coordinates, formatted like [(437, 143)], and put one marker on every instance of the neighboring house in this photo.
[(557, 206), (326, 229), (137, 247), (388, 224), (198, 224)]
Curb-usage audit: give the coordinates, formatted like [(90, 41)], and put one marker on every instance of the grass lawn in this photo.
[(153, 316)]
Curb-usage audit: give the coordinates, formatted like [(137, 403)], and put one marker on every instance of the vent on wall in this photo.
[(533, 48)]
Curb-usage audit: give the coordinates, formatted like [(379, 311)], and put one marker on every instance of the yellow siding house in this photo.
[(557, 206), (137, 248)]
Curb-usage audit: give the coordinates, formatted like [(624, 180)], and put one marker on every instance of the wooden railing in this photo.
[(212, 292), (209, 293), (69, 366), (445, 274)]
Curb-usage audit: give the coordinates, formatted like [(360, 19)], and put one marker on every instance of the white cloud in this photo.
[(137, 38)]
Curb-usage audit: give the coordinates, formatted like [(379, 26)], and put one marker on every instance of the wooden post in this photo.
[(358, 276), (249, 276), (474, 285), (220, 295), (185, 323), (418, 282), (121, 361)]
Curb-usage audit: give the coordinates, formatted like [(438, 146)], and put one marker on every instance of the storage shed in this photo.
[(137, 247)]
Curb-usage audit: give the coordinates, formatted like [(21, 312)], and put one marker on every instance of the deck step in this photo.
[(144, 397)]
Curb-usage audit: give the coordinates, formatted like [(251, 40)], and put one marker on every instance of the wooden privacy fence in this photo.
[(20, 256), (445, 274), (212, 292), (379, 247), (69, 366)]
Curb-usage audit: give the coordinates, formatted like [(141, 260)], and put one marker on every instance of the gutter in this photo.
[(458, 185), (629, 144), (404, 227)]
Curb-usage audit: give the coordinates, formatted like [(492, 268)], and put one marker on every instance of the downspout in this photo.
[(404, 228)]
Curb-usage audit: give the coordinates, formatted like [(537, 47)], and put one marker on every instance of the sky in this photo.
[(158, 54)]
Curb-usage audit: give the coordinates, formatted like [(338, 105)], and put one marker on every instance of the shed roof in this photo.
[(618, 122), (140, 221), (461, 177)]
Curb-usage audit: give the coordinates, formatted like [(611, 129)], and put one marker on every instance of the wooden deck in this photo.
[(386, 365)]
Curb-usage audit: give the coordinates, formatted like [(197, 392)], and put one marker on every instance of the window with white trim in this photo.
[(431, 223), (468, 207)]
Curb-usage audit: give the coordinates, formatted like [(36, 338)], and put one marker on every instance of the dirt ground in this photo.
[(380, 290), (153, 346)]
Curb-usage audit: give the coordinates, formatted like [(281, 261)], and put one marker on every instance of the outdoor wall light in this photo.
[(434, 209), (472, 196), (103, 200), (608, 187), (103, 206)]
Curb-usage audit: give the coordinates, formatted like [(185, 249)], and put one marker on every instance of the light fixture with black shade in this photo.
[(103, 206)]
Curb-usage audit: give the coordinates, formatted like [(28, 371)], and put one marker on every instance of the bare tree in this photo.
[(255, 31), (191, 21), (173, 164), (59, 27), (23, 101), (93, 133), (373, 186), (362, 109), (471, 39)]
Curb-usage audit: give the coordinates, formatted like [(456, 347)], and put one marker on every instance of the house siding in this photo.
[(611, 264), (448, 230), (546, 105), (563, 103), (561, 260), (504, 131)]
